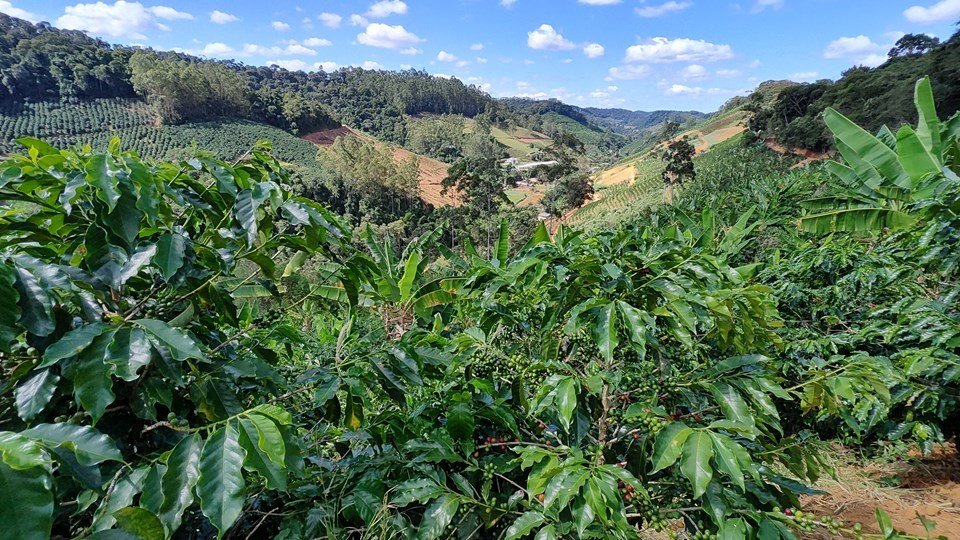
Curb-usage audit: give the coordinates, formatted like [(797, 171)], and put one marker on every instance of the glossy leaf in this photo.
[(142, 523), (169, 257), (72, 343), (26, 503), (34, 393), (221, 486), (695, 465), (180, 345), (21, 452), (669, 445), (437, 516), (524, 524), (90, 446), (257, 460), (177, 482)]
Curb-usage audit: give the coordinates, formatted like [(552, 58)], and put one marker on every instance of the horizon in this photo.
[(629, 54)]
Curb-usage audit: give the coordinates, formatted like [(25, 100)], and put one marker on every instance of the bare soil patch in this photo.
[(927, 486)]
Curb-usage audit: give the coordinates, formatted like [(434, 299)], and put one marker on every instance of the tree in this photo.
[(913, 45), (480, 183), (679, 162), (567, 193)]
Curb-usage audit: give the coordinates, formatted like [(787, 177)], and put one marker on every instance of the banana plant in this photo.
[(887, 178)]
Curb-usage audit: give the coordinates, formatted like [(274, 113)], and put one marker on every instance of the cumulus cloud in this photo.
[(10, 9), (847, 47), (291, 65), (326, 66), (444, 56), (694, 72), (370, 64), (728, 73), (661, 49), (943, 11), (330, 20), (317, 42), (660, 10), (121, 19), (508, 3), (219, 17), (385, 8), (280, 26), (628, 73), (358, 20), (546, 38), (217, 49), (476, 47), (682, 90), (384, 36), (292, 49), (594, 50)]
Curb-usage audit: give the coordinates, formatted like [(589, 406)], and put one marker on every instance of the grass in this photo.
[(516, 196)]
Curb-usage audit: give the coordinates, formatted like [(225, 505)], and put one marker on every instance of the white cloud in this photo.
[(599, 2), (444, 56), (385, 8), (280, 26), (385, 36), (317, 42), (120, 19), (628, 73), (694, 72), (481, 60), (660, 10), (613, 88), (217, 49), (219, 17), (762, 5), (508, 3), (728, 73), (291, 65), (594, 50), (476, 47), (546, 38), (411, 51), (370, 64), (330, 20), (846, 47), (358, 20), (327, 66), (943, 11), (873, 60), (681, 90), (599, 94), (661, 49), (9, 9), (292, 49), (804, 76)]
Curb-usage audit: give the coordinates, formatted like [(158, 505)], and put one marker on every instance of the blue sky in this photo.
[(636, 54)]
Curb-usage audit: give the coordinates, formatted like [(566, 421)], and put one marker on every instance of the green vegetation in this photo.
[(192, 349), (870, 97)]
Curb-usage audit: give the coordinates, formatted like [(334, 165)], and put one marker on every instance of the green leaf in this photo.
[(566, 400), (36, 308), (635, 325), (270, 441), (856, 220), (733, 529), (21, 452), (503, 243), (245, 211), (669, 445), (257, 460), (102, 173), (418, 490), (732, 403), (295, 263), (885, 524), (26, 503), (128, 352), (121, 495), (460, 422), (178, 480), (181, 346), (928, 127), (438, 516), (278, 414), (9, 310), (72, 343), (89, 445), (34, 392), (868, 147), (410, 271), (915, 158), (726, 459), (524, 524), (695, 465), (92, 384), (170, 254), (221, 486), (605, 331), (142, 523)]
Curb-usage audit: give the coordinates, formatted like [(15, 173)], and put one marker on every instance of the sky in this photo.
[(634, 54)]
